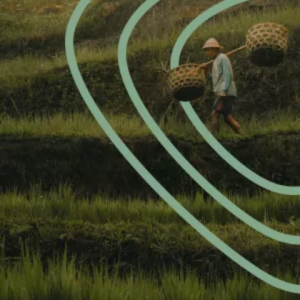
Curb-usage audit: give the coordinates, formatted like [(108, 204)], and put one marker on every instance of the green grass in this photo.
[(23, 15), (151, 229), (26, 280), (35, 25), (55, 24), (146, 244), (28, 74), (149, 28), (145, 39), (84, 125), (63, 205)]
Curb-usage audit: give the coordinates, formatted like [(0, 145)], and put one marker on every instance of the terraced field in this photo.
[(100, 231)]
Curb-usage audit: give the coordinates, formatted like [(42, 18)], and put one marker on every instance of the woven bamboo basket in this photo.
[(267, 44), (187, 82)]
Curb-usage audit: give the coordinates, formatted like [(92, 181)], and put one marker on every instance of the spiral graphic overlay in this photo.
[(133, 161)]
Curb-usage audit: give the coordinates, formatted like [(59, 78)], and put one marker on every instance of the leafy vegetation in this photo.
[(84, 125), (27, 280), (48, 137), (64, 205)]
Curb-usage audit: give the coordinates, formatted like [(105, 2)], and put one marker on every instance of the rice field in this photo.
[(84, 125), (27, 280), (133, 230), (145, 234), (155, 39), (64, 205)]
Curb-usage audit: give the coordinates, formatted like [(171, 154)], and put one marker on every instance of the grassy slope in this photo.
[(104, 21), (85, 126), (62, 281), (100, 17), (147, 234), (64, 205), (142, 236), (75, 151), (32, 76), (153, 242), (148, 244)]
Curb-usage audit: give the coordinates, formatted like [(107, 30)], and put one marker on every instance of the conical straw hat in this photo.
[(212, 43)]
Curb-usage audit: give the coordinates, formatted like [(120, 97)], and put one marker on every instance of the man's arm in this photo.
[(227, 78)]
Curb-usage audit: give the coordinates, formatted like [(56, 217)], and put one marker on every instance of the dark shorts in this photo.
[(224, 105)]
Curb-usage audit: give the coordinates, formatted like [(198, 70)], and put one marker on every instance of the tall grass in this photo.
[(84, 125), (147, 36), (26, 280), (62, 204)]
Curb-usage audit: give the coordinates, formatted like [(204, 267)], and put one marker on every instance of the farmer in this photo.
[(224, 87)]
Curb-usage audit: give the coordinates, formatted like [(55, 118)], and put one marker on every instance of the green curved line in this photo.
[(180, 159), (209, 138), (143, 172)]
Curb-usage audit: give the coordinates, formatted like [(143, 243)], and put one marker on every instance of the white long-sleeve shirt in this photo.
[(222, 76)]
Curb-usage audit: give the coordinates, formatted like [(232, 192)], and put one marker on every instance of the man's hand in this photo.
[(221, 94)]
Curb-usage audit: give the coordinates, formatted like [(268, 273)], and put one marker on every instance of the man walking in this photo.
[(224, 87)]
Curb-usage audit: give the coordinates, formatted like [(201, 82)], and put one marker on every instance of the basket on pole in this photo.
[(266, 45), (187, 82)]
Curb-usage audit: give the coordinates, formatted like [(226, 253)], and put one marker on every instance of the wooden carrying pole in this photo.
[(203, 66), (227, 54)]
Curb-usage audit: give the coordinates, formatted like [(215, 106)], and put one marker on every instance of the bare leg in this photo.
[(215, 122), (230, 121)]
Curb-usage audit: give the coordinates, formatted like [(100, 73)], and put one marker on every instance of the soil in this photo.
[(94, 166)]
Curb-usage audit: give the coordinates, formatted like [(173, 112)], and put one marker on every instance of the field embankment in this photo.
[(74, 150), (145, 235)]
